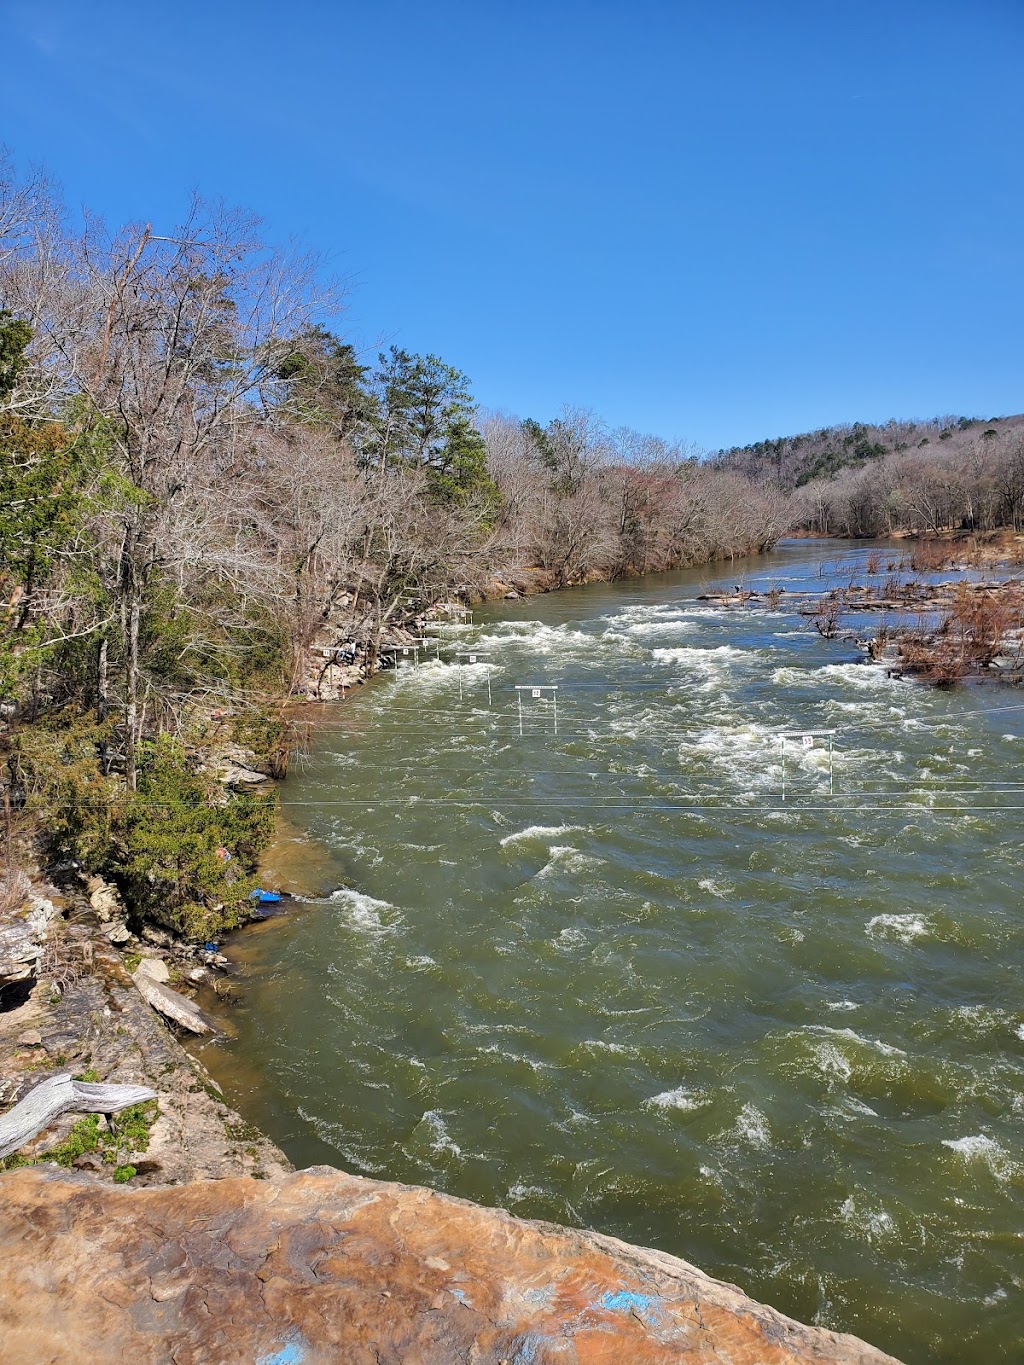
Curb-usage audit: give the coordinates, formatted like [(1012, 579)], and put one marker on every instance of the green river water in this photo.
[(608, 977)]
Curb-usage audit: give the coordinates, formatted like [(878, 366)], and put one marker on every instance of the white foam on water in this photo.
[(901, 928), (599, 1045), (440, 1139), (832, 1063), (346, 839), (570, 938), (872, 1224), (338, 1136), (364, 912), (565, 858), (841, 1005), (886, 1049), (429, 675), (752, 1126), (644, 612), (420, 963), (643, 630), (537, 638), (704, 611), (343, 760), (709, 1173), (862, 676), (577, 1119), (705, 659), (747, 752), (790, 675), (493, 1050), (848, 1107), (539, 832), (979, 1147), (722, 890), (681, 1099), (518, 1192), (981, 1019)]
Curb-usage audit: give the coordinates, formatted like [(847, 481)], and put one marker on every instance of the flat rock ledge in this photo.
[(322, 1267)]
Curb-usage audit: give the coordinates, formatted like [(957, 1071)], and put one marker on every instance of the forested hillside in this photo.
[(201, 483), (950, 473)]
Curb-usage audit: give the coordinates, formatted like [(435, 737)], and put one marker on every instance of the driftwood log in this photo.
[(61, 1095)]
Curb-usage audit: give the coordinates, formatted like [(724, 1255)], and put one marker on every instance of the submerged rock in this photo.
[(325, 1267)]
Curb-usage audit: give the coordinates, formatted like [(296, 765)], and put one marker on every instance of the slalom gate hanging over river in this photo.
[(608, 977)]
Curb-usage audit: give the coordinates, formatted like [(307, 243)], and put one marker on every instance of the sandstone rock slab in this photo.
[(325, 1267)]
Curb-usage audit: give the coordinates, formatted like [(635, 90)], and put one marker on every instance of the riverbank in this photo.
[(608, 977), (215, 1250), (404, 996), (339, 660), (70, 1004), (202, 1244)]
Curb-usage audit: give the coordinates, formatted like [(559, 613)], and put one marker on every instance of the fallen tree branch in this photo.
[(59, 1095)]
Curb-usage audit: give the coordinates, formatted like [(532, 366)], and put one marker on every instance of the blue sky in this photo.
[(716, 221)]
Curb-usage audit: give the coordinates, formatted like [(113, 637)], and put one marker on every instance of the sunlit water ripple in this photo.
[(610, 978)]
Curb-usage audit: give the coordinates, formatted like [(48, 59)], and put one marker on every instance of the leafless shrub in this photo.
[(928, 556), (62, 962), (15, 888), (969, 638), (872, 563), (829, 615)]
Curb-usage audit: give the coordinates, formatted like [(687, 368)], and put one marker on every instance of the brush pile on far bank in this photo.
[(941, 632)]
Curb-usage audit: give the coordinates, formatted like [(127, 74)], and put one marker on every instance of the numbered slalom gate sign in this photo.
[(398, 652), (537, 692), (807, 739), (424, 642), (475, 657)]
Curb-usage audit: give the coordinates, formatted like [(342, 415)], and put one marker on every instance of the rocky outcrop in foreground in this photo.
[(325, 1267), (99, 1027)]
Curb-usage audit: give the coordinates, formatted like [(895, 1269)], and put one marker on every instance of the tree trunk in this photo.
[(131, 710), (102, 681)]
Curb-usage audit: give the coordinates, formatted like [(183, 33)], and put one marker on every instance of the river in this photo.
[(608, 977)]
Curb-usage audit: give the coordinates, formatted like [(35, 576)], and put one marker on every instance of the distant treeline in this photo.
[(950, 473)]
